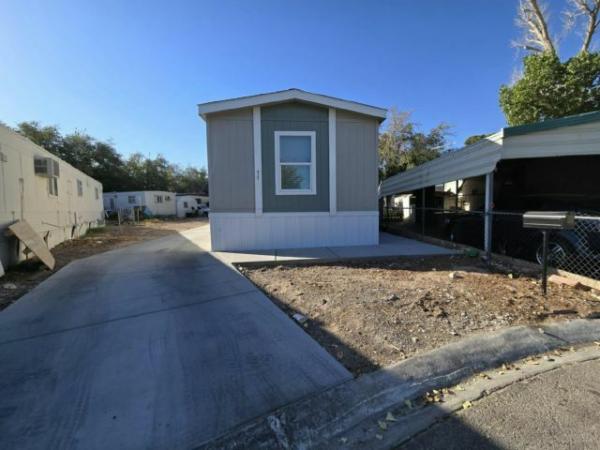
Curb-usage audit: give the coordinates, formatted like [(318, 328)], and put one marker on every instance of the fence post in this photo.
[(423, 211), (489, 205), (456, 194)]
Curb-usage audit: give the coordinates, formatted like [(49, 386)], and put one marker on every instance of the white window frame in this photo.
[(53, 186), (313, 164)]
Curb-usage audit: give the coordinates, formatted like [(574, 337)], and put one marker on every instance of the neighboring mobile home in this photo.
[(191, 204), (57, 200), (292, 169), (150, 203)]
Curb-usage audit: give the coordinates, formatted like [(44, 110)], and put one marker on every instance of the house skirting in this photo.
[(249, 231)]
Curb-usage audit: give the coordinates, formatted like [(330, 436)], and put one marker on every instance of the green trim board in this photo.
[(568, 121)]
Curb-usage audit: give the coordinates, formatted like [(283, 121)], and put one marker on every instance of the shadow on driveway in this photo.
[(158, 345)]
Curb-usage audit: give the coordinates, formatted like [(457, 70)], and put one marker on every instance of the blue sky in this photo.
[(133, 71)]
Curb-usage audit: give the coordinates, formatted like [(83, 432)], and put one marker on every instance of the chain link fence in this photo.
[(576, 250)]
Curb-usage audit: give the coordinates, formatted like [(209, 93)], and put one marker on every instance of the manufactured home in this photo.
[(191, 205), (57, 200), (149, 203), (292, 169)]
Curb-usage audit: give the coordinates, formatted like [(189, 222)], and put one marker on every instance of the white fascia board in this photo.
[(289, 95), (575, 140)]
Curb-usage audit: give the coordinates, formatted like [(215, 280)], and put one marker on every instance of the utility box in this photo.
[(548, 220)]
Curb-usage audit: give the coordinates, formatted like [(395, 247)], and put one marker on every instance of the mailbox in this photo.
[(545, 220)]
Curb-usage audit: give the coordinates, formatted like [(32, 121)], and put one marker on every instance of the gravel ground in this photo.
[(372, 314), (24, 277)]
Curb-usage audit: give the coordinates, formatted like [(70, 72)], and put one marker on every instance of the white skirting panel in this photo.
[(248, 231)]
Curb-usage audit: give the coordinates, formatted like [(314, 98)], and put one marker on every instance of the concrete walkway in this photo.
[(158, 345), (389, 245)]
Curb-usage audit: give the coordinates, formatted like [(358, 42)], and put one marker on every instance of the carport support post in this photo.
[(423, 211), (489, 204)]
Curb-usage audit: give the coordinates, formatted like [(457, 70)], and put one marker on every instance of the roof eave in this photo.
[(290, 95), (550, 124)]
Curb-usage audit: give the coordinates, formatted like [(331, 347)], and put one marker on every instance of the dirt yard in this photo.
[(370, 315), (26, 276)]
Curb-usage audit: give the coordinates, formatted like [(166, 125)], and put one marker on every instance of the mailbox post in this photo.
[(547, 221)]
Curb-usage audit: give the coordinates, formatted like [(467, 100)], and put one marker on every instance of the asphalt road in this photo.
[(556, 410), (157, 345)]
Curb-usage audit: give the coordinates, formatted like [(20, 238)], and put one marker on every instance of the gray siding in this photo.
[(295, 116), (230, 161), (356, 161)]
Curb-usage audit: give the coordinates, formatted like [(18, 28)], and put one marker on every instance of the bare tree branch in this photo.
[(590, 11), (536, 37)]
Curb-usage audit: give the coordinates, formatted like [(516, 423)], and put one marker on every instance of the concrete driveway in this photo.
[(158, 345)]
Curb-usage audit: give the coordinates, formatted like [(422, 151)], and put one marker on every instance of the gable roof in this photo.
[(290, 95)]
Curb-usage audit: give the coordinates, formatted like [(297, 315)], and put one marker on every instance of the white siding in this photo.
[(24, 195), (120, 200), (248, 231)]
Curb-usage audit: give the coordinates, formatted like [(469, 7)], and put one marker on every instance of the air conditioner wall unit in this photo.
[(46, 167)]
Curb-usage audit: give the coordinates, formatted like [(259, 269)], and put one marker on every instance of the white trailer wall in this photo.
[(121, 200), (24, 195), (164, 208), (187, 204), (148, 199)]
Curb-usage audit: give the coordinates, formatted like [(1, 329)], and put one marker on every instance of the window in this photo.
[(131, 199), (53, 186), (295, 165), (167, 198), (96, 193), (158, 198), (185, 204), (79, 188)]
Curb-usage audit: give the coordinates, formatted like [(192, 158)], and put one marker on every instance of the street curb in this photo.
[(323, 420), (409, 423)]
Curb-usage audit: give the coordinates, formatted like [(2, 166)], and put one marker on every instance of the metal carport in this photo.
[(568, 136)]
